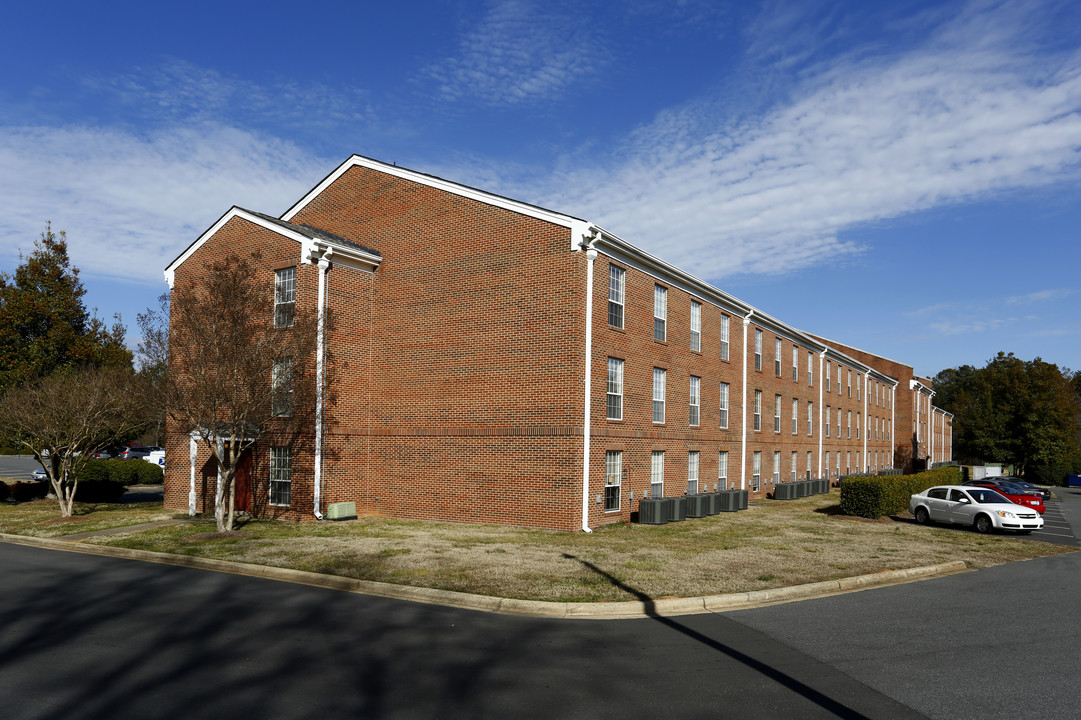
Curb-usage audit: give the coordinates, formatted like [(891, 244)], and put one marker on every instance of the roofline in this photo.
[(310, 242)]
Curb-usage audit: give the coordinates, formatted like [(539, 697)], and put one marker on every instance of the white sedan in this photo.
[(981, 508)]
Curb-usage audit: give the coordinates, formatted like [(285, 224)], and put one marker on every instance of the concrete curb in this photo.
[(509, 606)]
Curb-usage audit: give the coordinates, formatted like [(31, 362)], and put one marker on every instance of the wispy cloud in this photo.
[(970, 326), (973, 111), (1040, 296), (520, 52)]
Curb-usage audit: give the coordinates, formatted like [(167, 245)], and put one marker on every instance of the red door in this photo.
[(243, 482)]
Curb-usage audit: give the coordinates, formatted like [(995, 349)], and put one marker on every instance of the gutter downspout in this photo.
[(893, 427), (743, 409), (193, 455), (591, 255), (324, 266), (821, 406), (866, 422)]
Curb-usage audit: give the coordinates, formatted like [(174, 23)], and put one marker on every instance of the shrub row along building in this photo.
[(498, 362)]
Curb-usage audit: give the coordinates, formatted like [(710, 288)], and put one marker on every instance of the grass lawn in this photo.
[(772, 544), (41, 518)]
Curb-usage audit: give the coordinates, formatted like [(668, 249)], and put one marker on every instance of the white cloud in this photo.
[(131, 204), (521, 52), (972, 112), (1040, 296)]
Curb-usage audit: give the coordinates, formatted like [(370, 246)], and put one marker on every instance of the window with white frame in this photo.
[(757, 410), (613, 478), (858, 426), (840, 390), (795, 416), (724, 337), (656, 474), (828, 469), (615, 389), (281, 387), (859, 468), (777, 357), (848, 426), (877, 436), (722, 470), (658, 394), (660, 313), (776, 413), (776, 466), (696, 326), (810, 369), (724, 405), (281, 475), (692, 472), (617, 279), (838, 463), (828, 371), (285, 297), (810, 418), (810, 458), (795, 470), (838, 423), (850, 382), (795, 364), (829, 416), (859, 385), (756, 471), (696, 400), (757, 349), (848, 463)]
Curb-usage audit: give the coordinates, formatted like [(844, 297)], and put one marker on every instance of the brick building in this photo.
[(499, 362)]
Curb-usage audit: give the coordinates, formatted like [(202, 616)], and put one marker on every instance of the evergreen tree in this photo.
[(44, 325)]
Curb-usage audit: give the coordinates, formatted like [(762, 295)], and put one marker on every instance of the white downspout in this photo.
[(743, 409), (866, 422), (193, 455), (893, 426), (591, 255), (821, 405), (324, 266)]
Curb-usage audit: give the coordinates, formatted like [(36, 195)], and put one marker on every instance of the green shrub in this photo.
[(150, 474), (99, 491), (873, 497), (23, 491), (4, 491)]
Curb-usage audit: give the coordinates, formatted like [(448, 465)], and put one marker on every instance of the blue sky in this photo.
[(903, 177)]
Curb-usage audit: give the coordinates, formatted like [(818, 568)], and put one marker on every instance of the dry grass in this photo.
[(772, 544), (41, 518)]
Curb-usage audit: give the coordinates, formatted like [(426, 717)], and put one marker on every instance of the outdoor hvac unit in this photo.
[(677, 509), (823, 486), (803, 488), (713, 503), (785, 491), (696, 505), (742, 499), (729, 500), (653, 511), (342, 511)]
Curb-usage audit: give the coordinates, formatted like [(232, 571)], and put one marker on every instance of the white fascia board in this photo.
[(440, 184), (347, 255)]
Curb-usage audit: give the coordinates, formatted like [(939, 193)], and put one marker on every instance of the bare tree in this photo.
[(238, 369), (64, 417)]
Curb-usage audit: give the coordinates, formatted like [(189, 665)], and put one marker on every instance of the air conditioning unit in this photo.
[(729, 500), (696, 505), (341, 511), (786, 491), (742, 499), (652, 511), (713, 503), (677, 509)]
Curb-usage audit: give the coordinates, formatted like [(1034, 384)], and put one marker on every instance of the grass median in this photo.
[(41, 518), (771, 544)]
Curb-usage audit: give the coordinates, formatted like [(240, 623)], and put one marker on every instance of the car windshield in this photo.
[(983, 496)]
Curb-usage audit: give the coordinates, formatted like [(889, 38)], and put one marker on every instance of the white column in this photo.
[(193, 454)]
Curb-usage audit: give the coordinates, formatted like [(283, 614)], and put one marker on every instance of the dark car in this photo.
[(1015, 494), (1025, 485), (134, 451)]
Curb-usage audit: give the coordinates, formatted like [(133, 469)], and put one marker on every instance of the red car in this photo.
[(1015, 494)]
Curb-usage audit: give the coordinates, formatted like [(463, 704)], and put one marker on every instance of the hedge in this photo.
[(125, 472), (873, 497)]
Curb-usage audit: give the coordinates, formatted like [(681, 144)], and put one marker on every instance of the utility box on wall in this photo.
[(342, 511)]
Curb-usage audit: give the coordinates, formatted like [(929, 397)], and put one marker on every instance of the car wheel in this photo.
[(921, 516), (983, 524)]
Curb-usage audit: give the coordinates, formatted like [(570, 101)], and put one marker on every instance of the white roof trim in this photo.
[(438, 183), (307, 243)]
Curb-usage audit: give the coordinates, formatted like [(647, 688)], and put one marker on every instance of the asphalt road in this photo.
[(18, 466)]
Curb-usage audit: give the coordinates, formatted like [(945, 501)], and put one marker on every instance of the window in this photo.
[(776, 466), (722, 470), (692, 472), (810, 369), (285, 297), (839, 390), (658, 395), (615, 389), (776, 413), (859, 392), (660, 312), (757, 349), (696, 399), (795, 470), (757, 410), (281, 387), (850, 383), (829, 415), (877, 436), (795, 364), (827, 463), (848, 463), (810, 457), (613, 477), (857, 426), (656, 474), (828, 371), (724, 337), (696, 326), (859, 467), (838, 423), (810, 418), (617, 278), (795, 413), (777, 357), (724, 405), (756, 471), (849, 426), (838, 464), (281, 475)]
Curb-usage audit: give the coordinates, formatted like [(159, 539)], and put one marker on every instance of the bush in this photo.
[(150, 474), (873, 497), (23, 491), (99, 491), (4, 491), (125, 472)]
